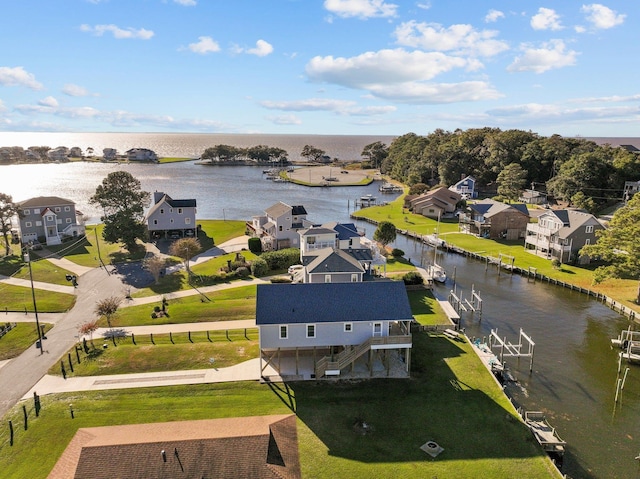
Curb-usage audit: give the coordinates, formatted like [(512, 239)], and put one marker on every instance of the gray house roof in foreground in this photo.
[(332, 302)]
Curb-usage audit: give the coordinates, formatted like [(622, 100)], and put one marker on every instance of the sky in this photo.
[(353, 67)]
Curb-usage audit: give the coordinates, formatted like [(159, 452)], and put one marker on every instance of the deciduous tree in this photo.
[(385, 233), (375, 153), (7, 210), (154, 265), (108, 307), (311, 153), (122, 201), (185, 249)]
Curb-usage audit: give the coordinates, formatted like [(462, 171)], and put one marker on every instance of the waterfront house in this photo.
[(434, 203), (331, 265), (141, 154), (49, 219), (169, 218), (560, 234), (466, 188), (533, 197), (495, 220), (58, 154), (630, 189), (318, 330), (259, 447), (109, 154), (278, 227)]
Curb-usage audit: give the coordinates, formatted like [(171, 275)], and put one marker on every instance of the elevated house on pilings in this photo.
[(335, 330)]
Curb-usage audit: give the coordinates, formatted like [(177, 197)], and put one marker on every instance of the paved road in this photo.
[(19, 375)]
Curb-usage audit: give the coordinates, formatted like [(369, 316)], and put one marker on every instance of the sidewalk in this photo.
[(58, 288), (182, 327), (246, 371)]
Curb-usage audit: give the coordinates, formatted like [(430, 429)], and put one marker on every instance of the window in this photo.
[(354, 277), (171, 221), (49, 218), (279, 228), (589, 229), (311, 330), (57, 209), (38, 223), (26, 212), (284, 332), (36, 211), (179, 211), (68, 220), (348, 327), (161, 211), (587, 241), (327, 278), (187, 221), (67, 208), (311, 240), (155, 222), (28, 224)]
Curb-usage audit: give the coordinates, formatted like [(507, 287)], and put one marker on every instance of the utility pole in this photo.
[(27, 258)]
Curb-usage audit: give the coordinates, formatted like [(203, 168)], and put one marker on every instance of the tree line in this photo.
[(574, 170)]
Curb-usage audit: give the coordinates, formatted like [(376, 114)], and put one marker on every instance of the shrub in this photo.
[(555, 263), (281, 259), (243, 272), (397, 253), (413, 277), (281, 279), (259, 267), (255, 245)]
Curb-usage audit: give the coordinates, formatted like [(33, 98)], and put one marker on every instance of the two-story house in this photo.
[(141, 154), (321, 330), (561, 234), (278, 227), (169, 218), (434, 203), (49, 219), (495, 220), (466, 188)]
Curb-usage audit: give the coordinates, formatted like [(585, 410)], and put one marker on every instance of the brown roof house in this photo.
[(495, 220), (258, 447), (434, 203)]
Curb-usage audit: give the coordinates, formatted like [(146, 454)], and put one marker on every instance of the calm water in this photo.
[(575, 371)]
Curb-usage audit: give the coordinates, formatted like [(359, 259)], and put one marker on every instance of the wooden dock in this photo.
[(545, 434)]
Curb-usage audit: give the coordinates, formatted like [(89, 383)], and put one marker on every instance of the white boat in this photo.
[(437, 273)]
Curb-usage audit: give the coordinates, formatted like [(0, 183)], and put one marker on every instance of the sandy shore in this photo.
[(331, 176)]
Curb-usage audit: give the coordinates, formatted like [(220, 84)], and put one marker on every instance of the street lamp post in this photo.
[(27, 258)]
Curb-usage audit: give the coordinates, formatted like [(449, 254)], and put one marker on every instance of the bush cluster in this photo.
[(281, 259)]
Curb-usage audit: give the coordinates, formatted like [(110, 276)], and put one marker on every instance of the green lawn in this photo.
[(225, 305), (426, 309), (174, 160), (166, 353), (219, 231), (19, 339), (19, 298), (42, 269), (452, 399)]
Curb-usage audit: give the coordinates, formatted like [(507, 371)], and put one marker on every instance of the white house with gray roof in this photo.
[(169, 218), (561, 234), (278, 227), (49, 219), (318, 330)]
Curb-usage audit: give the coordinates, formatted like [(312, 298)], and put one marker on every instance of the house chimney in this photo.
[(157, 196)]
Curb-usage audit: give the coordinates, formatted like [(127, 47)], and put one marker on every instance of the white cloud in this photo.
[(262, 49), (285, 120), (436, 93), (18, 76), (117, 32), (546, 19), (2, 107), (361, 8), (383, 67), (204, 45), (186, 3), (310, 104), (76, 90), (610, 99), (493, 16), (456, 38), (536, 112), (602, 17), (424, 5), (550, 55), (49, 101)]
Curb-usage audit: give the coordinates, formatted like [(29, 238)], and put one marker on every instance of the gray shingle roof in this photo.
[(42, 201), (329, 260), (332, 302)]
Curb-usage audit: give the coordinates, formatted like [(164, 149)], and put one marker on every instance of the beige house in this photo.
[(434, 203)]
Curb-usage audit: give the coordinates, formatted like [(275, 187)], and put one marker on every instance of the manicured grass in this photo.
[(623, 291), (87, 251), (19, 298), (426, 309), (213, 266), (452, 399), (174, 352), (42, 269), (219, 231), (225, 305), (399, 265), (19, 339)]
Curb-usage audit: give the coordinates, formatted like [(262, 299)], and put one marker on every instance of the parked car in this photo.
[(174, 235)]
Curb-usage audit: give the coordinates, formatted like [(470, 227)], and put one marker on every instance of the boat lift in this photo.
[(513, 350), (459, 303)]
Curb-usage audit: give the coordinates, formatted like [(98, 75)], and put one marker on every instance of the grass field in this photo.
[(19, 298), (225, 305), (451, 399), (19, 339)]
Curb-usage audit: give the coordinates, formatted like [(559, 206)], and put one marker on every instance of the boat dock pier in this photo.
[(513, 350)]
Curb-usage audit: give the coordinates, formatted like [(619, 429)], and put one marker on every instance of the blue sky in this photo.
[(319, 67)]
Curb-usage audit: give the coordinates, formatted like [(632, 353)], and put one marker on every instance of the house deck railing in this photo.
[(351, 353)]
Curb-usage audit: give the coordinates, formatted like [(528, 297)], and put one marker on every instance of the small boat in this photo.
[(390, 188), (545, 434)]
